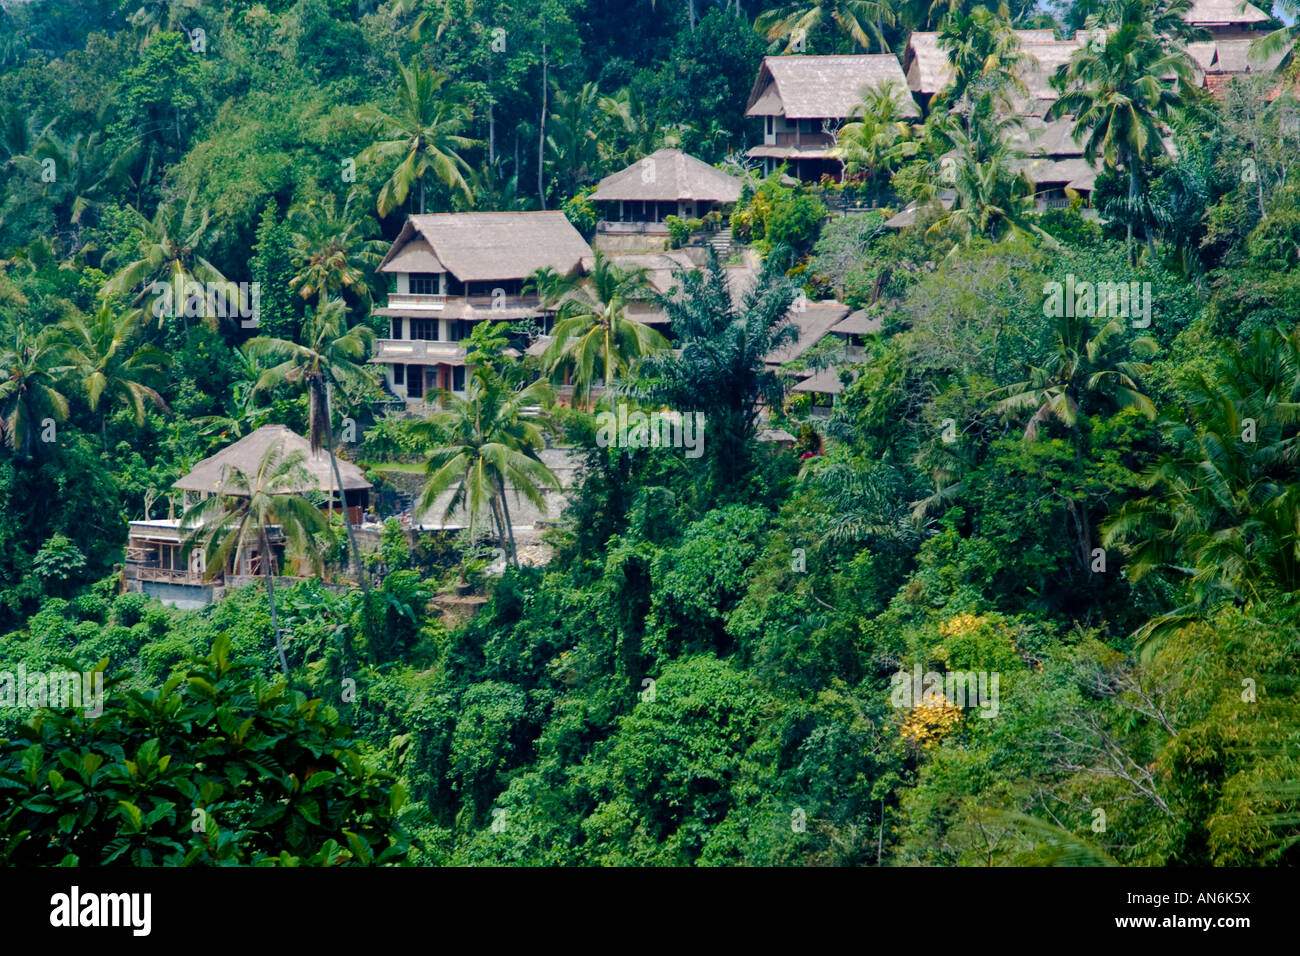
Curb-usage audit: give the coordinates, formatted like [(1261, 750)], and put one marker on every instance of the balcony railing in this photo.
[(809, 140), (417, 351), (410, 300), (147, 572)]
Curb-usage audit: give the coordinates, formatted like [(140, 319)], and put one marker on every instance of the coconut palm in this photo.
[(1282, 40), (330, 250), (245, 416), (166, 250), (985, 57), (1119, 95), (425, 131), (1085, 367), (593, 335), (572, 143), (862, 21), (877, 136), (244, 513), (83, 173), (1223, 509), (487, 446), (105, 356), (330, 356), (32, 368), (634, 126), (992, 197)]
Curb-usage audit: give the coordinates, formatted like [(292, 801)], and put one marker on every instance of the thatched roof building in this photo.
[(209, 475)]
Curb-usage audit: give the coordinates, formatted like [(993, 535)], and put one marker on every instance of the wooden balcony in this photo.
[(150, 572), (806, 140)]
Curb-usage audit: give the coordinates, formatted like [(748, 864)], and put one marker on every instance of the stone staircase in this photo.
[(721, 243)]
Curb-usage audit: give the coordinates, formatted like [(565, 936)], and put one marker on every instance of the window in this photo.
[(399, 374), (395, 328), (458, 329), (458, 379), (424, 285), (425, 330), (769, 126)]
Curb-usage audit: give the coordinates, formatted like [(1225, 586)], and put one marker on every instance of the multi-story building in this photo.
[(156, 562), (453, 270), (803, 99)]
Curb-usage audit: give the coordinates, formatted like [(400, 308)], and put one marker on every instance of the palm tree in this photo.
[(796, 22), (242, 515), (1119, 95), (84, 174), (721, 369), (1223, 512), (330, 250), (992, 197), (488, 445), (330, 356), (1084, 367), (104, 355), (985, 57), (1282, 40), (245, 416), (1084, 371), (167, 256), (633, 125), (32, 367), (593, 335), (425, 131), (571, 137), (877, 136)]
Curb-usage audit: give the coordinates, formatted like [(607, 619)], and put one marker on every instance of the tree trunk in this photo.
[(357, 573), (541, 132), (270, 596), (513, 554), (1132, 208)]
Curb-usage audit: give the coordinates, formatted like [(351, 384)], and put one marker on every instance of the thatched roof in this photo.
[(668, 175), (823, 87), (247, 453), (858, 323), (928, 70), (1040, 137), (814, 322), (1074, 171), (907, 217), (415, 255), (1233, 56), (1222, 13), (483, 246), (1045, 58), (825, 382), (779, 435)]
